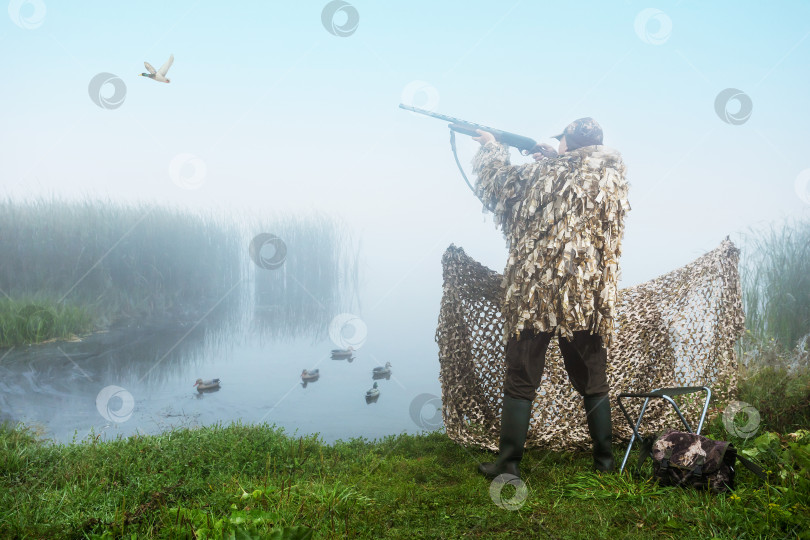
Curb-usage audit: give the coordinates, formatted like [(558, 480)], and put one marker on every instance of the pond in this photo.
[(138, 380), (211, 298)]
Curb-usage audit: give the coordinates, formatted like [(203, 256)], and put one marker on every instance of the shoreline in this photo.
[(409, 486)]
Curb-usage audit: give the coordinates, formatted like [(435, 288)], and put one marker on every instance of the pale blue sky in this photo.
[(287, 116)]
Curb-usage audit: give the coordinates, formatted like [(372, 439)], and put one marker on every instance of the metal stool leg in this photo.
[(662, 393), (635, 430)]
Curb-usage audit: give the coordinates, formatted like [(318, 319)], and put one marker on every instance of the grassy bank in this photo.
[(199, 483), (39, 320), (777, 385)]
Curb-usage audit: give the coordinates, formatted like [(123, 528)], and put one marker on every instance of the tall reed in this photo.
[(115, 260), (775, 276), (317, 280), (118, 259), (774, 352)]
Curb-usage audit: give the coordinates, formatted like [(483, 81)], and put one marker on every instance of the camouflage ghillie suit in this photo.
[(564, 221)]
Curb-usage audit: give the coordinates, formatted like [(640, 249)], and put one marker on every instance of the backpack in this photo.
[(686, 459)]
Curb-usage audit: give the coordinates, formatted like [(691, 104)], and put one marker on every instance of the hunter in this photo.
[(564, 220)]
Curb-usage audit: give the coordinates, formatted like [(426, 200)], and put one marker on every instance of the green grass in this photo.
[(780, 394), (205, 481), (34, 321)]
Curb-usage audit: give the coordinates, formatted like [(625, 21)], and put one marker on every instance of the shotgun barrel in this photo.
[(526, 145)]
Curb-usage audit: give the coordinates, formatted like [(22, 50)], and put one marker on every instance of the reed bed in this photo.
[(775, 350), (105, 261), (318, 279), (775, 276), (117, 259)]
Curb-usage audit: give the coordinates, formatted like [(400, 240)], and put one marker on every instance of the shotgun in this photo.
[(526, 145)]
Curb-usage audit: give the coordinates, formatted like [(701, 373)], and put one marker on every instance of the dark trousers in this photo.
[(584, 356)]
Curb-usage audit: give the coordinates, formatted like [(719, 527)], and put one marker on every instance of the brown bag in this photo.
[(686, 459)]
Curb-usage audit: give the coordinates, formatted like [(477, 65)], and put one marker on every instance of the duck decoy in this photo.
[(373, 391), (380, 371), (160, 74), (313, 375), (210, 384)]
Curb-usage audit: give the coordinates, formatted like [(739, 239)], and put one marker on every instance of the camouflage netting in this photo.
[(676, 330)]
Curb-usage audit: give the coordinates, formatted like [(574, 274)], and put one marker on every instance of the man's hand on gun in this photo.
[(539, 152), (484, 137), (543, 151)]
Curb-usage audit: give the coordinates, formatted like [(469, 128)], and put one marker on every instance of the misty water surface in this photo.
[(139, 377), (55, 386)]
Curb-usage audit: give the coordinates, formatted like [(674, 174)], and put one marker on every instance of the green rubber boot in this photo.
[(514, 427), (597, 409)]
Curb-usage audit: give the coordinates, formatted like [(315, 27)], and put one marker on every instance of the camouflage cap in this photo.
[(581, 132)]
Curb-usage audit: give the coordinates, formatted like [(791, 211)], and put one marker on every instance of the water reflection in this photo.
[(313, 277), (148, 353), (86, 385), (257, 338), (259, 383), (208, 390), (343, 354)]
